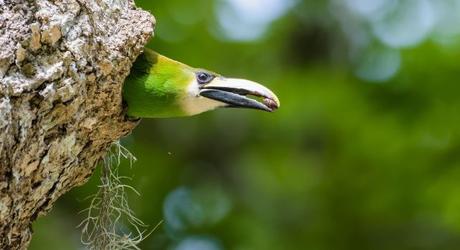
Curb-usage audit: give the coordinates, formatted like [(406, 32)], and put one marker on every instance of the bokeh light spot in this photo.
[(198, 243), (448, 21), (407, 24), (368, 8), (378, 65), (186, 209), (244, 20)]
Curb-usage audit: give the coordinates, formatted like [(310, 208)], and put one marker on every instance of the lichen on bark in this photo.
[(62, 66)]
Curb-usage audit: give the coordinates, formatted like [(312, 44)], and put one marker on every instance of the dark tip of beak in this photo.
[(271, 104)]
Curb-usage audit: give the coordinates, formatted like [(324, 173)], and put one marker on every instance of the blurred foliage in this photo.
[(363, 154)]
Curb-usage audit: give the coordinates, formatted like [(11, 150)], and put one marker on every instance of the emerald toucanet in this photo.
[(161, 87)]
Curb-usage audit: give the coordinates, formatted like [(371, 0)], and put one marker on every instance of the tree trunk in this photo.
[(62, 67)]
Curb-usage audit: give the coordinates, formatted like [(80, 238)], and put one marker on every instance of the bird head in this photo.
[(161, 87)]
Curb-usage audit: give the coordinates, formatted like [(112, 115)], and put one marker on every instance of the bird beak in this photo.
[(235, 93)]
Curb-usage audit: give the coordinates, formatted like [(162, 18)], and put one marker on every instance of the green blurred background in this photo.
[(363, 154)]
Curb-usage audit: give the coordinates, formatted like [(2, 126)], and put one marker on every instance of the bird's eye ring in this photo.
[(203, 77)]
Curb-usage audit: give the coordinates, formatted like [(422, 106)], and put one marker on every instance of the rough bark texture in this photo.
[(62, 66)]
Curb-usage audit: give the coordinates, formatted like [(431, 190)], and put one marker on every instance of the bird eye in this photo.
[(203, 77)]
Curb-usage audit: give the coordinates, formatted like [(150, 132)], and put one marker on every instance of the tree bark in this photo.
[(62, 67)]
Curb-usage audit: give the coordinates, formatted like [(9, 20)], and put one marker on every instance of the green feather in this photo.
[(156, 85)]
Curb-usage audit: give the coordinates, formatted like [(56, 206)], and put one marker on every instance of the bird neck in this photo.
[(155, 86)]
